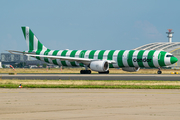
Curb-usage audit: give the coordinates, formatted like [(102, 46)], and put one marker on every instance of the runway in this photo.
[(163, 77)]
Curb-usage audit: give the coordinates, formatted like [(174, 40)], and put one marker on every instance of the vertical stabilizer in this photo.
[(32, 42)]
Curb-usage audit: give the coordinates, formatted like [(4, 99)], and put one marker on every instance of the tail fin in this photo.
[(32, 42)]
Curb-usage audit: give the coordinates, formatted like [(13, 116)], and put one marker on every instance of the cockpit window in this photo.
[(169, 56)]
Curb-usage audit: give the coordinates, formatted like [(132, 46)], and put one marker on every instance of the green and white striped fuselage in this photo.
[(123, 58), (96, 60)]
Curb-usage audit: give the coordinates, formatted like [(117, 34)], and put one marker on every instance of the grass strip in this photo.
[(77, 71), (118, 84), (95, 86)]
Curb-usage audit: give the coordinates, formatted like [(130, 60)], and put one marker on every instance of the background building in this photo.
[(171, 47), (11, 59), (8, 57)]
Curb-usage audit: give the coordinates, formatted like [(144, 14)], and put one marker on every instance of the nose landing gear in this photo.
[(159, 71)]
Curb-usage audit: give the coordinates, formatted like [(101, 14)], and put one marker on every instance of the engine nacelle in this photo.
[(131, 69), (100, 66)]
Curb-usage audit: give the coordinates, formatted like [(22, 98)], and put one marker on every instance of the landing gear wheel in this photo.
[(159, 72), (85, 71), (107, 72)]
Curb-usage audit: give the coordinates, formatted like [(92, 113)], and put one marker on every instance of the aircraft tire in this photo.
[(85, 71), (107, 72), (88, 71), (159, 72)]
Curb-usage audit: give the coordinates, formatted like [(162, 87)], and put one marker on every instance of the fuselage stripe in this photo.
[(96, 54), (100, 55), (134, 58), (77, 55), (55, 54), (161, 60), (59, 54), (150, 58), (73, 55), (155, 59), (38, 53), (68, 55), (144, 59), (130, 57), (115, 58), (140, 57), (64, 54), (91, 54), (82, 55), (120, 58), (46, 53), (105, 55), (167, 60), (50, 54), (125, 58), (110, 57)]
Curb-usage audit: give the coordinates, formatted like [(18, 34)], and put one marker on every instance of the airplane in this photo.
[(96, 60)]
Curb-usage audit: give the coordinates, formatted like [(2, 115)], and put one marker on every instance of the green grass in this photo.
[(117, 84), (77, 71)]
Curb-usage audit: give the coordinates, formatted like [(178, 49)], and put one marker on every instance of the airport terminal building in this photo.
[(171, 47)]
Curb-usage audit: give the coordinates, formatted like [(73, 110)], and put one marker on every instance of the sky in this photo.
[(88, 24)]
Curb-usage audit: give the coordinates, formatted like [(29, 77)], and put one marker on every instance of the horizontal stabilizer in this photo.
[(19, 52)]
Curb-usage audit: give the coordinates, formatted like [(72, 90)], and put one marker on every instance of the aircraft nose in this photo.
[(173, 60)]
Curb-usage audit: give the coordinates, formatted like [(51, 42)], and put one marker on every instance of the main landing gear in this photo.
[(85, 71), (89, 72), (107, 72), (159, 71)]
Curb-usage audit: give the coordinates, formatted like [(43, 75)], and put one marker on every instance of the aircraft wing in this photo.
[(62, 58)]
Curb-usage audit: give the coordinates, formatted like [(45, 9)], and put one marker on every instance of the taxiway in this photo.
[(163, 77)]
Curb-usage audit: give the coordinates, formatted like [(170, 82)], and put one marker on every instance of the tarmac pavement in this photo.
[(88, 104)]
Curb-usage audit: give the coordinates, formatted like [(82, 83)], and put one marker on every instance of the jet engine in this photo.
[(131, 69), (100, 66)]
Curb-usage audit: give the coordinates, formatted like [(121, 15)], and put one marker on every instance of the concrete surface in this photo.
[(89, 104)]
